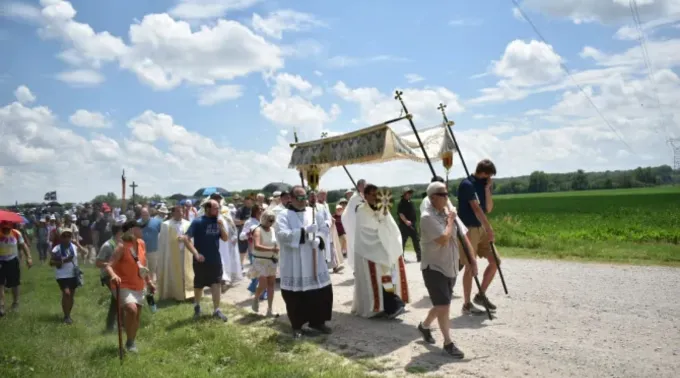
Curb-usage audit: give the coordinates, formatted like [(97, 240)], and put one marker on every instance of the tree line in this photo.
[(536, 182)]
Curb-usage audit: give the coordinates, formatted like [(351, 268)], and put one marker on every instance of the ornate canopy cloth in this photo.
[(375, 144)]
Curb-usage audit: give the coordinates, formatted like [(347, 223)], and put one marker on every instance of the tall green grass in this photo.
[(612, 225)]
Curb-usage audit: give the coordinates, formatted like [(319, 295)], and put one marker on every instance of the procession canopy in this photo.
[(374, 144)]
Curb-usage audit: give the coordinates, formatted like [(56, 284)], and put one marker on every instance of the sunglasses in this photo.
[(301, 198), (441, 194)]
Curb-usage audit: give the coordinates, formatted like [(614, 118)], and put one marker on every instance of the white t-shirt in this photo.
[(66, 270)]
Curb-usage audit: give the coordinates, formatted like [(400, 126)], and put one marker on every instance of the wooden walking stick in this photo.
[(120, 325), (460, 235), (467, 173)]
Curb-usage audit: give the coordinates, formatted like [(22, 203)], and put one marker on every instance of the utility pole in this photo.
[(675, 146), (133, 186)]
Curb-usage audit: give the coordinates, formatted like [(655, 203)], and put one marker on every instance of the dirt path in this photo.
[(560, 320)]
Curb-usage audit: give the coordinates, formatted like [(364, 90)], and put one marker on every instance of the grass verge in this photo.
[(36, 344)]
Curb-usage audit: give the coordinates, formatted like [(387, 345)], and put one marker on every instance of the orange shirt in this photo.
[(126, 268)]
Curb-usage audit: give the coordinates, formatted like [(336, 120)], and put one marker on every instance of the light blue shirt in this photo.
[(150, 234)]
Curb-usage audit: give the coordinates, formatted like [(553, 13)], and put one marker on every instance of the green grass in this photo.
[(640, 226), (35, 343)]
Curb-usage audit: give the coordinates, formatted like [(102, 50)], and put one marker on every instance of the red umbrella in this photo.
[(8, 216)]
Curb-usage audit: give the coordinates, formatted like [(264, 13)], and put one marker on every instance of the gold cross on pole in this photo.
[(441, 107)]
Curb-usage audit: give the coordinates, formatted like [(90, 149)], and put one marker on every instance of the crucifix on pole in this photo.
[(133, 186)]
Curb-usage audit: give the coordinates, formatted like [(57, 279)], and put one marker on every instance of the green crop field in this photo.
[(627, 225)]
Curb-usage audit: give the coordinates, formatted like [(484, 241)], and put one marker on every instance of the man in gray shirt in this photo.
[(103, 258), (438, 239)]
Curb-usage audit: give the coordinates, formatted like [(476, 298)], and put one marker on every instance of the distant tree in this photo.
[(580, 181), (538, 182)]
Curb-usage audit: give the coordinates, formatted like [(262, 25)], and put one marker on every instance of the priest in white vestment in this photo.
[(305, 287), (176, 274), (380, 286), (349, 220), (232, 271)]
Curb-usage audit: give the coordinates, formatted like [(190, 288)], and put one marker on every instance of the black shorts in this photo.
[(10, 273), (439, 287), (68, 283), (207, 274)]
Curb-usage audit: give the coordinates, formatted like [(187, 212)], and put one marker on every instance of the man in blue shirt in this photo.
[(151, 228), (206, 232), (474, 202)]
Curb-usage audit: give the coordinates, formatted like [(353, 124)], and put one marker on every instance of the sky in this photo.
[(184, 94)]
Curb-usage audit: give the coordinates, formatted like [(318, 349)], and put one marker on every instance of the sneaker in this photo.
[(153, 308), (453, 351), (131, 347), (470, 309), (483, 301), (219, 315), (256, 305), (426, 333), (68, 320), (197, 312)]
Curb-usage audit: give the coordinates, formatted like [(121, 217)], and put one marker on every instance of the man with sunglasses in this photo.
[(306, 288)]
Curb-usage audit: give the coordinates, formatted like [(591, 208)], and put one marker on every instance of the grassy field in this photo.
[(36, 344), (640, 226)]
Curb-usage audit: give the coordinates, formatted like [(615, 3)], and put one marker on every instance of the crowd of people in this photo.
[(152, 252)]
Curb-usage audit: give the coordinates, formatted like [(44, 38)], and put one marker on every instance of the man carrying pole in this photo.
[(460, 235), (485, 170)]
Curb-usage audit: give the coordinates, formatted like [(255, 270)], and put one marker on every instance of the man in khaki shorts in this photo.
[(474, 202)]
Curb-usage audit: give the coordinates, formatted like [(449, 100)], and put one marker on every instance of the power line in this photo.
[(648, 62), (580, 88)]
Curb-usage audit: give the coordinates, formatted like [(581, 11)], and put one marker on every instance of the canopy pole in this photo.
[(302, 177), (351, 178), (442, 107), (459, 233)]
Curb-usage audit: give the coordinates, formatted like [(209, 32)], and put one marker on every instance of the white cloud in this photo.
[(483, 116), (284, 20), (213, 95), (517, 14), (376, 107), (291, 106), (413, 78), (342, 61), (605, 11), (465, 22), (208, 9), (24, 95), (318, 73), (88, 119), (160, 155), (81, 78), (19, 10), (164, 52)]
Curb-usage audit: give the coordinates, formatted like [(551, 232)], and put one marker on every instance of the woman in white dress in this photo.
[(265, 253)]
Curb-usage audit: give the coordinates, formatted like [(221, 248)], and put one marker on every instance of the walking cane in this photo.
[(120, 326), (455, 143), (459, 233)]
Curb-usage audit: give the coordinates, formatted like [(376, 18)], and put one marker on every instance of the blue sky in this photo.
[(321, 66)]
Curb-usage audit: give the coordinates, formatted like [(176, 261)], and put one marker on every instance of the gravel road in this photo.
[(561, 319)]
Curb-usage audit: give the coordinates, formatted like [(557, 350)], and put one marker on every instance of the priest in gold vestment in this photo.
[(176, 275)]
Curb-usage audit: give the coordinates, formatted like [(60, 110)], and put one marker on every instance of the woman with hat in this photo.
[(65, 260)]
